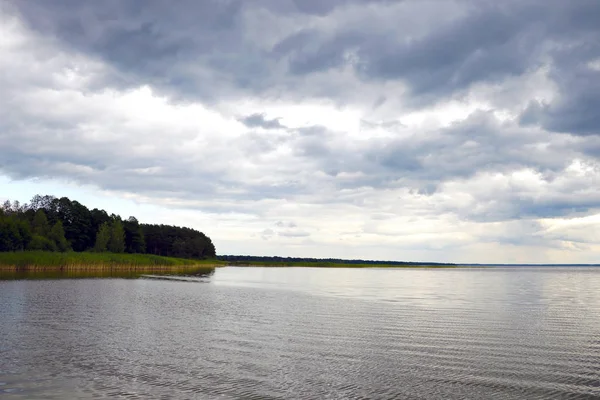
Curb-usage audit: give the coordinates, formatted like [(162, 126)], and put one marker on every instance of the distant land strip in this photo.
[(275, 261)]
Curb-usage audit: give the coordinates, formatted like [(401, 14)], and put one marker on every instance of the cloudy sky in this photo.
[(461, 131)]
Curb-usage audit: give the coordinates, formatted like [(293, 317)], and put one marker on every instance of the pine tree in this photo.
[(134, 236), (7, 207), (138, 244)]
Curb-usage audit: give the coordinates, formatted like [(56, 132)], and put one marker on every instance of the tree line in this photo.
[(59, 224), (283, 260)]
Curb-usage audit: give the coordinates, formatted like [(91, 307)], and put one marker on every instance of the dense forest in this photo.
[(59, 224)]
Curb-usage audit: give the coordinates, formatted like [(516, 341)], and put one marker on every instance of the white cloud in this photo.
[(356, 165)]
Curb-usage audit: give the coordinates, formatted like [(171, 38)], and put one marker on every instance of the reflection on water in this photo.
[(103, 273), (306, 333)]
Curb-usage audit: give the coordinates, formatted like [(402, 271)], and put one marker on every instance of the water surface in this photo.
[(306, 333)]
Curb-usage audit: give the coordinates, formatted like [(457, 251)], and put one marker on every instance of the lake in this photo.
[(307, 333)]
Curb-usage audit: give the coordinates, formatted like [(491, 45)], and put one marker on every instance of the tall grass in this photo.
[(71, 261), (51, 261)]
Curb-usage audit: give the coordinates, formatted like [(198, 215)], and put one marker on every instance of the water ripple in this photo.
[(280, 334)]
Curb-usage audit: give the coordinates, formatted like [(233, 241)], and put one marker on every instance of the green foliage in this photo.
[(10, 238), (134, 236), (40, 225), (267, 261), (102, 238), (50, 223), (179, 242), (41, 243), (15, 234), (116, 244), (54, 259), (98, 217), (77, 222), (57, 235)]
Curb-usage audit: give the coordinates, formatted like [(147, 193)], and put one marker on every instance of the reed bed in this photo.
[(71, 261)]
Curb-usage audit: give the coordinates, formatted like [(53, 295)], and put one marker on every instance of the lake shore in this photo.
[(31, 261), (334, 265), (87, 261)]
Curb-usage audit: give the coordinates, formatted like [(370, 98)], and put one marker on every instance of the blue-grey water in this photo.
[(281, 333)]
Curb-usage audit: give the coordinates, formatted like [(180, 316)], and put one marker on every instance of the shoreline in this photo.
[(105, 268), (40, 261), (336, 265)]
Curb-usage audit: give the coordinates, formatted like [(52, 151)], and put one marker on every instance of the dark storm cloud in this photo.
[(427, 159), (203, 49), (575, 111), (343, 51), (515, 205), (575, 69), (486, 44), (170, 46)]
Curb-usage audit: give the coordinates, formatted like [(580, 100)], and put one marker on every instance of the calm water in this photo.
[(259, 333)]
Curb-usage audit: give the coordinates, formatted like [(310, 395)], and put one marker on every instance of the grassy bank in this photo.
[(71, 261), (317, 264), (148, 263)]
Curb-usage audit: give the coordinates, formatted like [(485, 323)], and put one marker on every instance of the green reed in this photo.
[(49, 261)]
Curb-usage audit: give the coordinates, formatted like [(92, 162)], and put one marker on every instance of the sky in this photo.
[(452, 131)]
